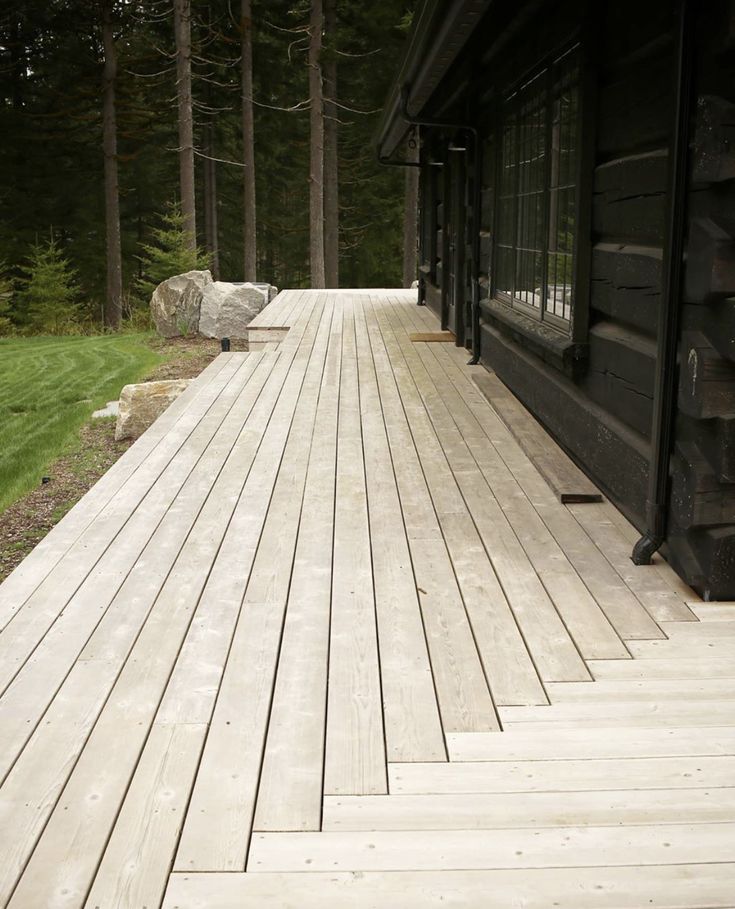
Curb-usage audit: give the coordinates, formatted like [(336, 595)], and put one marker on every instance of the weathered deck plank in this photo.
[(274, 637)]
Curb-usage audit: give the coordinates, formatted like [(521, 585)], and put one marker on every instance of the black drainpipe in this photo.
[(386, 162), (668, 321), (476, 203)]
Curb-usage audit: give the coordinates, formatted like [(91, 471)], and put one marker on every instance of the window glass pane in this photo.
[(537, 192), (562, 189)]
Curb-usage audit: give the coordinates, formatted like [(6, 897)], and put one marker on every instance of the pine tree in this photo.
[(316, 145), (113, 298), (169, 254), (182, 32), (50, 296), (6, 299)]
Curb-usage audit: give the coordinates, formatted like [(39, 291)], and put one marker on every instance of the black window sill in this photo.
[(551, 345)]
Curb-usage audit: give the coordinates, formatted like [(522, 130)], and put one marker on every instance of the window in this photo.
[(537, 194)]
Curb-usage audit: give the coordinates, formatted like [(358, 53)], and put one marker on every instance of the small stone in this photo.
[(142, 404), (111, 409)]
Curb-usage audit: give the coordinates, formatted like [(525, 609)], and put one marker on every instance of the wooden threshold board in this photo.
[(432, 336), (570, 485)]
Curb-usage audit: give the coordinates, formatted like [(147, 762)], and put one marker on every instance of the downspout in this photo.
[(668, 321), (476, 203), (387, 162)]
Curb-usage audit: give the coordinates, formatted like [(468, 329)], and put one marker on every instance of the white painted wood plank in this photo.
[(355, 746), (413, 729), (477, 811), (485, 849), (676, 667), (704, 886), (563, 775), (135, 867), (290, 791), (534, 743)]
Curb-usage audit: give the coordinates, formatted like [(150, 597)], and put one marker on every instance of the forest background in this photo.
[(93, 133)]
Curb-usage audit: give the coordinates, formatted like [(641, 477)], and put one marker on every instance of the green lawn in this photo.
[(48, 388)]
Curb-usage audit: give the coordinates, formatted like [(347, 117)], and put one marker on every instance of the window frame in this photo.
[(546, 70)]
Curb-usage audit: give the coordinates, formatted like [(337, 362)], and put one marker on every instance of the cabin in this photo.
[(577, 235)]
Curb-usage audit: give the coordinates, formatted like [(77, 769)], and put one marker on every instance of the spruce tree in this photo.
[(49, 296), (6, 299), (168, 254)]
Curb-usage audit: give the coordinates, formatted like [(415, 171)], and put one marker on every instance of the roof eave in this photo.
[(429, 55)]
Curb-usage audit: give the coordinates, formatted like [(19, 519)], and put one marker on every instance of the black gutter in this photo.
[(664, 398), (441, 30)]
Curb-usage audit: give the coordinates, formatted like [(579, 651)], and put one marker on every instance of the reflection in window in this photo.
[(534, 251)]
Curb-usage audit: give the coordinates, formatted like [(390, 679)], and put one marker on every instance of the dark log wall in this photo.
[(597, 397), (702, 517), (633, 129), (594, 389)]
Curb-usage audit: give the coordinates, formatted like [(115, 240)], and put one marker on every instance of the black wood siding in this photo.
[(597, 397)]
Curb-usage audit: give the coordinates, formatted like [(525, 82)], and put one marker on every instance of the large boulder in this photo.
[(268, 289), (227, 309), (141, 404), (176, 301)]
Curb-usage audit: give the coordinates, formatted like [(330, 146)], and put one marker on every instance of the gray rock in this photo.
[(175, 303), (141, 404), (268, 289), (227, 309)]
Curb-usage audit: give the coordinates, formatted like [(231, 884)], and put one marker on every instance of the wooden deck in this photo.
[(266, 661)]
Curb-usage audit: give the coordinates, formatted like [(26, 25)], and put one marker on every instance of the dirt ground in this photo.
[(89, 456)]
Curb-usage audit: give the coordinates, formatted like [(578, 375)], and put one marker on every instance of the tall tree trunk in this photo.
[(211, 232), (410, 219), (182, 31), (331, 158), (316, 162), (248, 145), (113, 298)]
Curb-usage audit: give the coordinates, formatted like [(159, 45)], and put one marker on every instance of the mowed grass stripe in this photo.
[(48, 388)]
